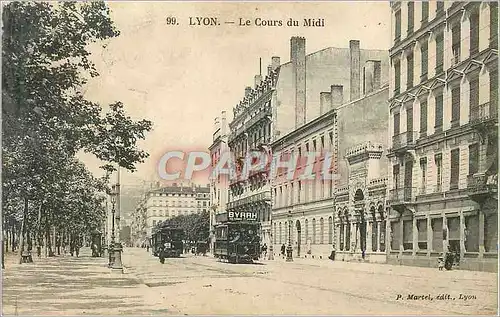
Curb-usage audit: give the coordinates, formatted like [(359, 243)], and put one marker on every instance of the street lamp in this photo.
[(112, 242), (289, 248), (117, 247)]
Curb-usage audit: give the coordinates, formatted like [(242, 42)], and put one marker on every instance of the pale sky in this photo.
[(181, 77)]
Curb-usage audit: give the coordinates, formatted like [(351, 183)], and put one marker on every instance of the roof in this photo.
[(181, 189)]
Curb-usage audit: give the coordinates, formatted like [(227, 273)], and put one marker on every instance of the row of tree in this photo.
[(48, 196), (196, 226)]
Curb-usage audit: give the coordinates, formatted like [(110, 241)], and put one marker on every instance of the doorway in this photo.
[(299, 242)]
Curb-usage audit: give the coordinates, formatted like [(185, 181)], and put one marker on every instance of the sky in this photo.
[(181, 77)]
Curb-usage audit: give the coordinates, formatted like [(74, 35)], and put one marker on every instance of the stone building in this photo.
[(138, 223), (167, 202), (311, 115), (250, 130), (443, 127), (219, 187)]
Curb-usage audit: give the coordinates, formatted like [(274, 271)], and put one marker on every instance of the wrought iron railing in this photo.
[(402, 195), (404, 139), (482, 113), (480, 182)]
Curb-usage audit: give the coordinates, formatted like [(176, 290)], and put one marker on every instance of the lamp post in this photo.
[(289, 249), (112, 242), (117, 265)]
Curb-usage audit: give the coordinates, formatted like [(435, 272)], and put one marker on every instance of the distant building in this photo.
[(444, 133), (167, 202)]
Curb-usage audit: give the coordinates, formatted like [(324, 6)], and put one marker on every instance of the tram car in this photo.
[(237, 241), (169, 239)]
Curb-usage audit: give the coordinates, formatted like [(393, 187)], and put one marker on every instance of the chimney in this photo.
[(248, 90), (325, 102), (355, 68), (258, 80), (275, 62), (269, 70), (337, 95), (298, 59), (377, 74), (223, 124)]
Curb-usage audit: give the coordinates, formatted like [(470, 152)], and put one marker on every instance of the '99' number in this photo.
[(171, 21)]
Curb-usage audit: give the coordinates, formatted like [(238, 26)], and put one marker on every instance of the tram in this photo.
[(168, 239), (237, 241)]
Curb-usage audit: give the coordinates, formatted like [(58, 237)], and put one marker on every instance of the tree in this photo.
[(47, 120)]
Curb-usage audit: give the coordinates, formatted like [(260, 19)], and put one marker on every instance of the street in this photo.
[(201, 285)]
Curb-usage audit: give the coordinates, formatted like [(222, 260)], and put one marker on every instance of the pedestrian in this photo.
[(283, 248), (264, 250)]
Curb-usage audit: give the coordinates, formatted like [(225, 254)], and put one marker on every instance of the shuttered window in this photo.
[(437, 234), (474, 98), (455, 168), (474, 33), (425, 11), (494, 92), (473, 158), (439, 113), (423, 116), (397, 76), (439, 53), (424, 51), (411, 16), (409, 79), (398, 25), (493, 24), (455, 106), (455, 42), (396, 123)]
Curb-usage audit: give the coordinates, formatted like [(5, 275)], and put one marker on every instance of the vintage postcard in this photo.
[(249, 158)]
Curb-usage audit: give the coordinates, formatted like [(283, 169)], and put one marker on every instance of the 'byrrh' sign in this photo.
[(243, 215)]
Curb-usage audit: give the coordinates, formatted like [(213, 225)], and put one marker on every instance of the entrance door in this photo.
[(408, 179), (362, 233), (297, 225)]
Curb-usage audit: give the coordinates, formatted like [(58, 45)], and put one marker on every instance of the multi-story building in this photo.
[(250, 130), (138, 223), (318, 119), (219, 186), (443, 128), (167, 202)]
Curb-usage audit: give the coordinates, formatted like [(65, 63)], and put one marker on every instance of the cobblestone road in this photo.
[(201, 285)]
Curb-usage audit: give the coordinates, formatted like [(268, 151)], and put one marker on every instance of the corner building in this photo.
[(443, 127), (311, 114)]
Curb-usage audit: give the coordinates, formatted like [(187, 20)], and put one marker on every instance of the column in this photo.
[(352, 238), (429, 234), (369, 241), (445, 229), (358, 237), (481, 233), (462, 235), (388, 231), (337, 236), (415, 235), (401, 232), (344, 233), (379, 235)]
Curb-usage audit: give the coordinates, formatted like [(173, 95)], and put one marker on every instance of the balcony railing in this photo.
[(403, 195), (482, 113), (403, 140), (480, 183), (260, 197)]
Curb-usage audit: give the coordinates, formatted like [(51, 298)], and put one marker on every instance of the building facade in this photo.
[(250, 130), (305, 212), (138, 223), (219, 186), (170, 201), (443, 127)]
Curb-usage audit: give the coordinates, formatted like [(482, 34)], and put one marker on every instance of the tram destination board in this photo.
[(243, 215)]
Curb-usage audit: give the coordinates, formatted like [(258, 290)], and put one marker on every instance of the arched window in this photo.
[(321, 230), (314, 231), (330, 230), (307, 230), (279, 227)]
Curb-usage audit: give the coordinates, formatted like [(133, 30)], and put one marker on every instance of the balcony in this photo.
[(482, 114), (400, 197), (404, 141), (481, 186)]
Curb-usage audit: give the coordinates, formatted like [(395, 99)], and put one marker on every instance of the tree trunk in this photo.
[(13, 236), (23, 231)]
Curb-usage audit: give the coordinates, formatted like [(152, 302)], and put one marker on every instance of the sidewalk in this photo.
[(71, 286)]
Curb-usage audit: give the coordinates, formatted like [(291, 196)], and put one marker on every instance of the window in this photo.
[(437, 234), (330, 230), (314, 231), (423, 170), (396, 123), (439, 53), (292, 196), (440, 7), (424, 51), (455, 43), (321, 231), (474, 98), (299, 187), (411, 16), (473, 158), (409, 79), (471, 233), (455, 168), (398, 26), (395, 176), (397, 77), (322, 142), (491, 233), (474, 33), (438, 126), (439, 171), (494, 92), (423, 118), (307, 230), (407, 235), (409, 124), (422, 234), (493, 24), (455, 106), (425, 11), (313, 181), (395, 235)]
